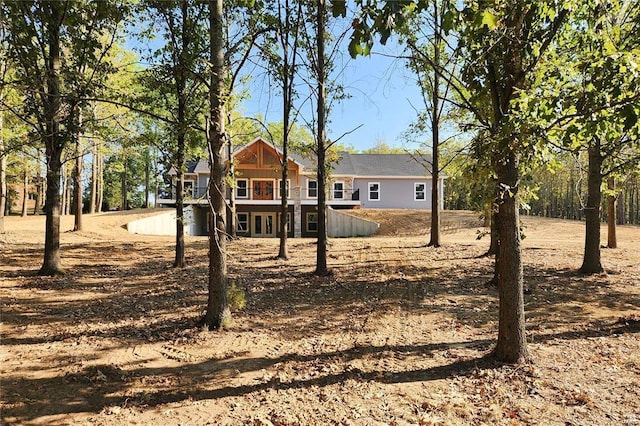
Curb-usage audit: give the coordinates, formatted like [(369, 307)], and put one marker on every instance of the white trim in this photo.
[(308, 184), (415, 191), (369, 191), (288, 189), (246, 222), (333, 190), (306, 221), (193, 187), (273, 181), (247, 188)]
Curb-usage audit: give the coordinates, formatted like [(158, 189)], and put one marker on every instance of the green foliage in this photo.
[(236, 297)]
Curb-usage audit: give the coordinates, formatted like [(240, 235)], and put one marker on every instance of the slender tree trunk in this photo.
[(123, 186), (512, 343), (232, 193), (77, 196), (147, 178), (612, 240), (39, 187), (591, 262), (218, 313), (63, 201), (25, 190), (100, 179), (179, 258), (321, 249), (94, 177)]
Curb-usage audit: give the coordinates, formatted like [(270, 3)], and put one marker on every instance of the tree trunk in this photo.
[(25, 190), (218, 313), (591, 262), (3, 156), (94, 177), (321, 248), (179, 258), (232, 192), (512, 343), (435, 134), (612, 240), (77, 196), (123, 186), (147, 178), (39, 187), (100, 179)]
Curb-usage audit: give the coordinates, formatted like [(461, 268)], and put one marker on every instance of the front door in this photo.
[(263, 225), (262, 190)]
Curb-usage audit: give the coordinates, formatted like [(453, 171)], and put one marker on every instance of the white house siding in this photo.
[(394, 193)]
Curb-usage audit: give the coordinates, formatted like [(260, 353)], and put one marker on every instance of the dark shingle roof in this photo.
[(387, 165)]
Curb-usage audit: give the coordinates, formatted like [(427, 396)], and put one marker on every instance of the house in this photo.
[(380, 181)]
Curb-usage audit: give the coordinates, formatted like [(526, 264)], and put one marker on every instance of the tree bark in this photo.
[(321, 249), (612, 240), (218, 313), (100, 177), (77, 196), (232, 192), (591, 263), (179, 258), (512, 343), (435, 134), (25, 190), (94, 177)]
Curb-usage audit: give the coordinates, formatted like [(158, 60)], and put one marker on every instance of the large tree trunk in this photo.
[(321, 249), (435, 135), (591, 262), (612, 240), (218, 313), (512, 342)]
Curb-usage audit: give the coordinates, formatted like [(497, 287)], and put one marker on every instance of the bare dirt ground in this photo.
[(396, 336)]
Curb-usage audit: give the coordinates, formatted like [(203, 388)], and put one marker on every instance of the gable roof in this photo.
[(358, 165)]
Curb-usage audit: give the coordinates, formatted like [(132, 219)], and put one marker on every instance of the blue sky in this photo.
[(383, 99)]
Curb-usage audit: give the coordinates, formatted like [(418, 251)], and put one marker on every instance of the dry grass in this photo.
[(397, 335)]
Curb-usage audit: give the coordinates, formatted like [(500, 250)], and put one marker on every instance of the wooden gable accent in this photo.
[(261, 159)]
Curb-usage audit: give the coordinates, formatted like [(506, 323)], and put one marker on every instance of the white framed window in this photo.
[(312, 222), (312, 189), (242, 188), (419, 191), (242, 222), (374, 191), (188, 188), (338, 190), (281, 188), (288, 221)]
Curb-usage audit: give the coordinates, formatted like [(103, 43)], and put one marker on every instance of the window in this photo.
[(312, 189), (312, 222), (338, 190), (242, 224), (242, 188), (419, 191), (288, 222), (281, 189), (374, 191), (187, 188)]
